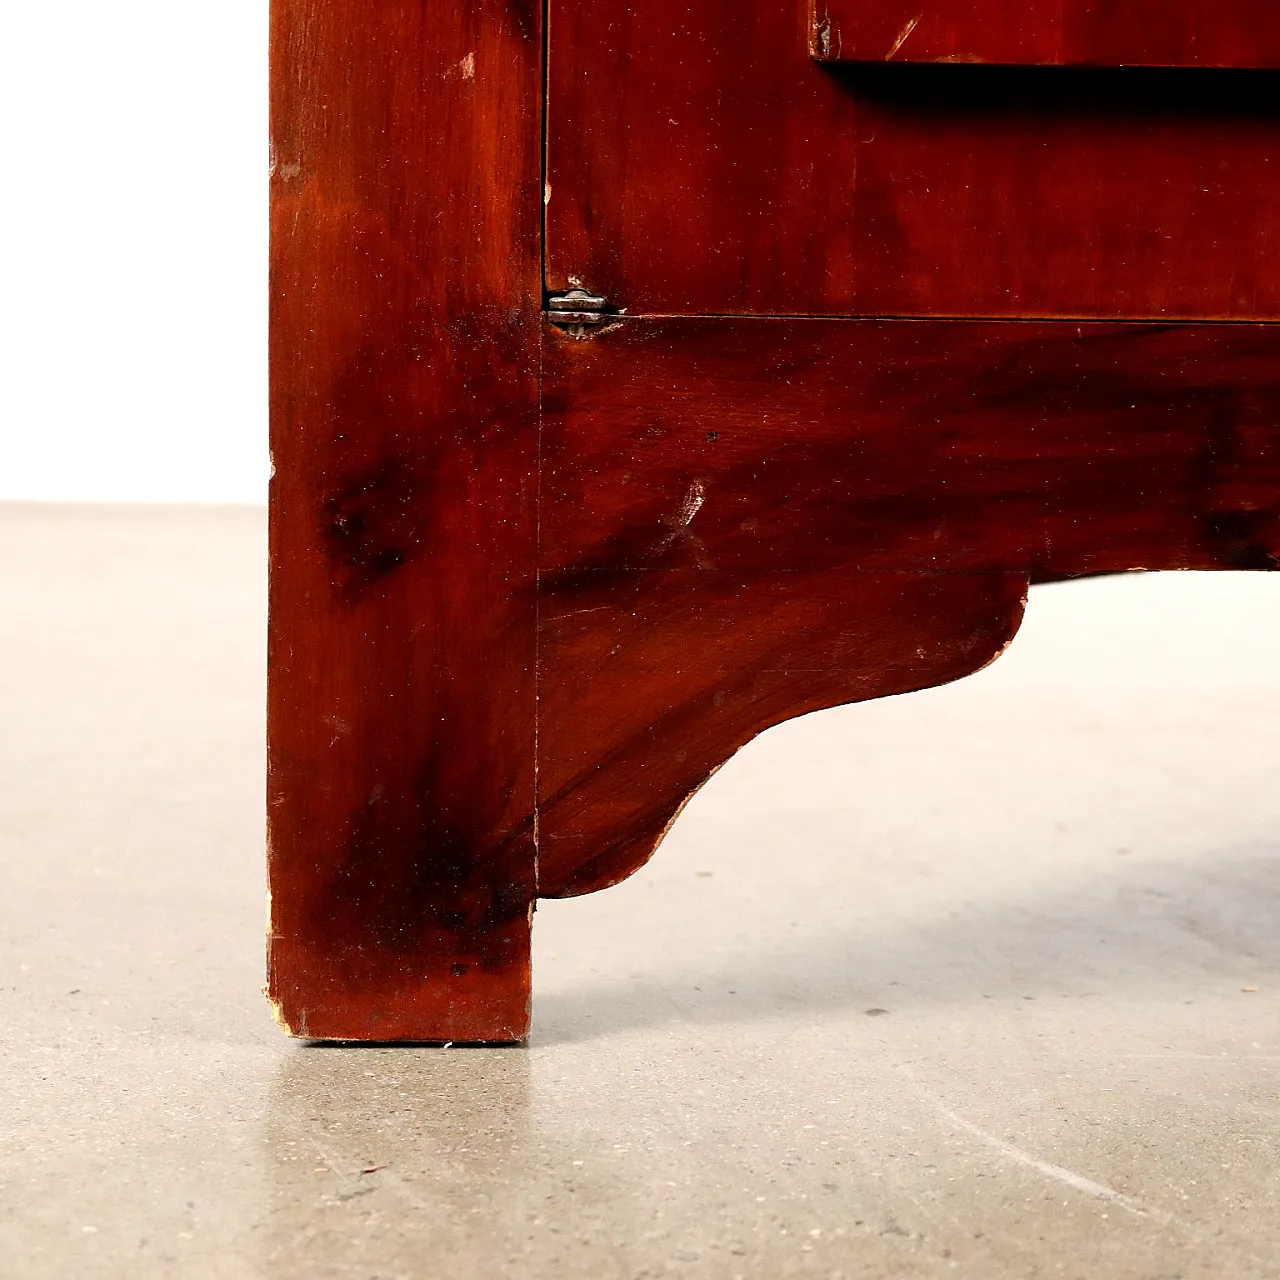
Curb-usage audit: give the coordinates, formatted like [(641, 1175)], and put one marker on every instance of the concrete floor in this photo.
[(983, 981)]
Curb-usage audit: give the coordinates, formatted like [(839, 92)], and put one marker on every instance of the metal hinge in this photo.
[(576, 311)]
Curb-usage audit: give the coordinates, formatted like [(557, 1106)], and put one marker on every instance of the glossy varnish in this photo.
[(701, 161), (746, 519), (1152, 33), (405, 292), (529, 589)]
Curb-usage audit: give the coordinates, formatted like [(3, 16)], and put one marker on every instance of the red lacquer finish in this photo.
[(747, 519), (1100, 33), (404, 420), (700, 162), (528, 590)]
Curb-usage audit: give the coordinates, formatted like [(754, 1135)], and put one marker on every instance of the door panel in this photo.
[(699, 161)]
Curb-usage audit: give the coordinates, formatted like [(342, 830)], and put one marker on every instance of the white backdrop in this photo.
[(133, 145)]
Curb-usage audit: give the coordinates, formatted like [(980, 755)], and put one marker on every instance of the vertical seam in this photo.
[(544, 87)]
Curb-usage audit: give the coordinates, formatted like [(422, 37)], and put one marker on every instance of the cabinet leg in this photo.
[(406, 292), (401, 743)]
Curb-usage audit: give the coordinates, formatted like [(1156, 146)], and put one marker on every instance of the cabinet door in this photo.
[(700, 161)]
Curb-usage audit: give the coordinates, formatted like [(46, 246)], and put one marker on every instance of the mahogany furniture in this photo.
[(646, 374)]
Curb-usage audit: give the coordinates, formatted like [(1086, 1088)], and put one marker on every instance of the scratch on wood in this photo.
[(826, 37), (691, 505), (465, 67), (902, 36)]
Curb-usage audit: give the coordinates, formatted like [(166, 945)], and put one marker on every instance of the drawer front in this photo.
[(700, 161), (1099, 33)]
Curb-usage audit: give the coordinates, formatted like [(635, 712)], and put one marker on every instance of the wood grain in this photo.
[(744, 520), (1153, 33), (700, 162), (405, 295), (528, 591)]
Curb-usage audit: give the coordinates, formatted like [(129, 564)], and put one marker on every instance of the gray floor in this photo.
[(983, 981)]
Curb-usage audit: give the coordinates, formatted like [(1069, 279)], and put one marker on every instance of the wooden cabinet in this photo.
[(644, 377)]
